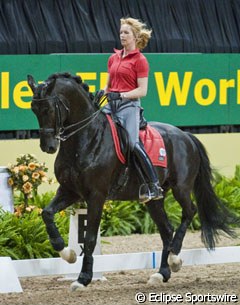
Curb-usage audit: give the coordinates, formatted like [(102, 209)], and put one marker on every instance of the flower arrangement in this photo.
[(26, 176)]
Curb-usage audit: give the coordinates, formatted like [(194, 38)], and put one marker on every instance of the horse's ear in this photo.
[(31, 83), (50, 85)]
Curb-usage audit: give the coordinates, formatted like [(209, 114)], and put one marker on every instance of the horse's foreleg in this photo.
[(61, 201), (159, 216), (93, 221), (188, 212)]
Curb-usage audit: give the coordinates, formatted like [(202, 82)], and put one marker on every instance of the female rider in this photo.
[(127, 82)]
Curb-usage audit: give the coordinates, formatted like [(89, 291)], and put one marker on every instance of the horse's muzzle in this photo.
[(49, 149), (49, 144)]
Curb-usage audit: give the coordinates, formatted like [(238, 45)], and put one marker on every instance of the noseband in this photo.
[(60, 131), (59, 123)]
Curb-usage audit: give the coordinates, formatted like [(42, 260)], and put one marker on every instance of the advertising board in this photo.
[(184, 89)]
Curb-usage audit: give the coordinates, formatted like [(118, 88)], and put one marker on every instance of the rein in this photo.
[(62, 134), (63, 129)]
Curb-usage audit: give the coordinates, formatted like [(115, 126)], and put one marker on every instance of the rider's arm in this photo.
[(140, 91), (107, 85)]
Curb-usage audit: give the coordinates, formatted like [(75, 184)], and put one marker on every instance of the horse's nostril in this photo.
[(51, 150)]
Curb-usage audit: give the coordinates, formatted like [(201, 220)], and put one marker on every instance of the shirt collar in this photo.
[(119, 52)]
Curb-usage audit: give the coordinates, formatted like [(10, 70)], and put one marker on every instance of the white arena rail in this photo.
[(12, 270), (125, 261)]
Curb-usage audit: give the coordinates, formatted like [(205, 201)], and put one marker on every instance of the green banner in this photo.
[(184, 89)]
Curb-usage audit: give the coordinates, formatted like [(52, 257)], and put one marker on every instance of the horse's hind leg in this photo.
[(159, 216), (60, 202), (188, 211)]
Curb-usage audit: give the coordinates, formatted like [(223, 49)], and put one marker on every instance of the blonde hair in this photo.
[(140, 31)]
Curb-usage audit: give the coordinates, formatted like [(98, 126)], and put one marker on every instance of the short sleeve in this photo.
[(110, 61), (142, 67)]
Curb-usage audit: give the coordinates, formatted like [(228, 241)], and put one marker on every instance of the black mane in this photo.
[(76, 78)]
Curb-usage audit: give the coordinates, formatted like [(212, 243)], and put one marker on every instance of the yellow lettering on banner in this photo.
[(205, 82), (224, 85), (103, 79), (88, 76), (5, 90), (18, 93), (173, 84)]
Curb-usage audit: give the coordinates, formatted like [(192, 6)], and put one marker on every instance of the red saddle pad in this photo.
[(152, 141)]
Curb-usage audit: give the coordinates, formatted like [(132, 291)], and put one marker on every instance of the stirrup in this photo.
[(144, 193), (153, 191)]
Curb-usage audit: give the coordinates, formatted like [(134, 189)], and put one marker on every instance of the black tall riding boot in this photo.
[(154, 191)]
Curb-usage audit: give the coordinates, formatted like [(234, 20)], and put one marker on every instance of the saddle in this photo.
[(150, 138)]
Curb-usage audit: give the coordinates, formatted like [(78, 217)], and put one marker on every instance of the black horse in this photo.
[(87, 169)]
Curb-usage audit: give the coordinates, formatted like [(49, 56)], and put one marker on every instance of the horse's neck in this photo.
[(80, 109), (86, 144), (85, 118)]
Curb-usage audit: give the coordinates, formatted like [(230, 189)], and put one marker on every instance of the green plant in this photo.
[(8, 233), (147, 225), (23, 234), (119, 218), (42, 200), (228, 190)]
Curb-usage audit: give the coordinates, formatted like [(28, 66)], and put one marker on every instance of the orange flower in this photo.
[(15, 170), (42, 173), (30, 208), (32, 166), (35, 175), (10, 181), (27, 187), (22, 167), (44, 179), (25, 178), (18, 210)]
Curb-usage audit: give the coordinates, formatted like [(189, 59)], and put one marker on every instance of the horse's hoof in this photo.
[(174, 262), (76, 286), (155, 279), (68, 255)]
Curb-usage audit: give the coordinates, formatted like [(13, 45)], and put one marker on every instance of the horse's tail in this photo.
[(213, 215)]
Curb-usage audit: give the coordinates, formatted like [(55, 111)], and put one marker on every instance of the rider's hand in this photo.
[(99, 94)]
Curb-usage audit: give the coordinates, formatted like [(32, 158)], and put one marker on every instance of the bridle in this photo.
[(60, 131)]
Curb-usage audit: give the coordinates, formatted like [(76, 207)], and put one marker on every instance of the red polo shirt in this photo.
[(124, 72)]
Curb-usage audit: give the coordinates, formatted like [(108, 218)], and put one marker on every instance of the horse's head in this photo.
[(47, 106), (63, 106)]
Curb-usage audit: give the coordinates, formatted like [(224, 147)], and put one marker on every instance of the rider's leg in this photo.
[(130, 119), (142, 158)]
